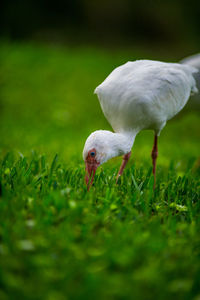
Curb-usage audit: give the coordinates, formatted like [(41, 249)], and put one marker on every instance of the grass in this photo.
[(57, 241)]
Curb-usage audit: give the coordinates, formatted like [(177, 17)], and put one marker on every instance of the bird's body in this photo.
[(138, 95), (145, 94)]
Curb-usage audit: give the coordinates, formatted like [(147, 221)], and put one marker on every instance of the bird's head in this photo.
[(97, 150), (102, 145)]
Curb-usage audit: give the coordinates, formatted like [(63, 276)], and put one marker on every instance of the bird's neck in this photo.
[(120, 143)]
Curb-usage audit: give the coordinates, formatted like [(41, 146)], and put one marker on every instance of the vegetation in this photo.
[(57, 241)]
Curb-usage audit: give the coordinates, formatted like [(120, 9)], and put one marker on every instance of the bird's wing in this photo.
[(145, 94)]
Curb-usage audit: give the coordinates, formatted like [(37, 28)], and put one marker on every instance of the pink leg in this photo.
[(154, 155), (123, 165)]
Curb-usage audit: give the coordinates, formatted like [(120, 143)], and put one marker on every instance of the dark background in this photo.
[(174, 23)]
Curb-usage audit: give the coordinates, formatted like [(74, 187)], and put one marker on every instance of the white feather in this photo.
[(194, 61), (145, 94)]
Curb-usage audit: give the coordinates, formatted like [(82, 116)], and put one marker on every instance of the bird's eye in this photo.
[(92, 154)]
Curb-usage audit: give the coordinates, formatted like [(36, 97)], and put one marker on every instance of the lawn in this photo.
[(57, 241)]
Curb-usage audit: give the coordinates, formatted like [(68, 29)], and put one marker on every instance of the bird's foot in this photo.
[(117, 179)]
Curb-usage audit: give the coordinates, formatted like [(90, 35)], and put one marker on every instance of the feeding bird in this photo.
[(139, 95)]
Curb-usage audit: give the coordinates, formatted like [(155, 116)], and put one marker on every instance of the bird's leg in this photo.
[(154, 155), (123, 165)]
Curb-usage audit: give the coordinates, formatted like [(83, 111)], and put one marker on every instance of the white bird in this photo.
[(138, 95)]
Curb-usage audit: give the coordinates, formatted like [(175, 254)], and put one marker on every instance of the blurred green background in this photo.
[(57, 240), (48, 104), (53, 55)]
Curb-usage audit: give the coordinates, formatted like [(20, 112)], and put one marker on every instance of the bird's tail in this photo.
[(194, 61)]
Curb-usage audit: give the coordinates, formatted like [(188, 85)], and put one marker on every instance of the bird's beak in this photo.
[(90, 169)]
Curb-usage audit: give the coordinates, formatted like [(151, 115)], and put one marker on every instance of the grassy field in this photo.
[(57, 241)]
